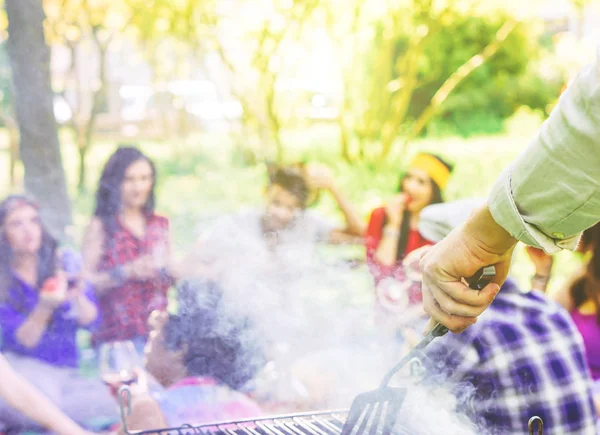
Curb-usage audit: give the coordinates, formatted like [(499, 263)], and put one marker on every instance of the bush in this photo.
[(488, 96)]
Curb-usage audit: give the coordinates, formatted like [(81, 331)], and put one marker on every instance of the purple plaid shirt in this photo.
[(524, 357)]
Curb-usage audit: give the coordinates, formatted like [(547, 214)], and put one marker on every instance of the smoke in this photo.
[(314, 318)]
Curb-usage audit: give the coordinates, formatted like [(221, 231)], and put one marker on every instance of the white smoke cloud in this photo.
[(323, 349)]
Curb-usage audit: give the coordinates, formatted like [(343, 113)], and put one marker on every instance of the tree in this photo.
[(39, 144), (70, 23), (398, 73), (252, 39), (7, 116)]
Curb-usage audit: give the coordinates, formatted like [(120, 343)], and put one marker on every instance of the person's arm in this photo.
[(552, 191), (22, 396), (477, 243), (320, 177), (354, 223), (104, 281), (547, 197), (387, 250), (543, 268), (25, 331), (145, 414), (85, 305), (93, 247), (32, 329)]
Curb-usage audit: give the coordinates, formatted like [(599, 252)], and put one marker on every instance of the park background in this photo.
[(213, 89)]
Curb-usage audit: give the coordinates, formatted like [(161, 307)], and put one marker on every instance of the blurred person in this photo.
[(524, 357), (24, 398), (545, 198), (283, 231), (543, 268), (581, 297), (199, 360), (126, 249), (41, 309), (393, 232), (264, 263)]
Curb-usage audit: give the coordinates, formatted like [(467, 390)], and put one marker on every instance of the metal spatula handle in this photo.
[(477, 282)]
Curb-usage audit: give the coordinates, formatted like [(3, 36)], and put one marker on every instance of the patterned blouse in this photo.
[(125, 309)]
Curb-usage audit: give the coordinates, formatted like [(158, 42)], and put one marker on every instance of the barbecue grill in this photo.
[(306, 423), (314, 423)]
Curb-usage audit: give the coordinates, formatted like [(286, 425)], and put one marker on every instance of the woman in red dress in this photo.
[(127, 249), (392, 232)]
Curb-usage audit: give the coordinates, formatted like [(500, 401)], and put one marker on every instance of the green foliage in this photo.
[(6, 98), (482, 101)]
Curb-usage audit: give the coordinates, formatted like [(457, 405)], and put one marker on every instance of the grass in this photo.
[(198, 179)]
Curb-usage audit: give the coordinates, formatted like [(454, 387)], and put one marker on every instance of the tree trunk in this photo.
[(40, 149), (13, 146), (98, 99), (401, 101), (82, 150), (273, 120)]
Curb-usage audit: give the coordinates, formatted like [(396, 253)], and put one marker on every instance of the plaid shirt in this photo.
[(524, 357), (125, 309)]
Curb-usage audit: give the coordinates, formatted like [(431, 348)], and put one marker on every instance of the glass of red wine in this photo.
[(119, 364)]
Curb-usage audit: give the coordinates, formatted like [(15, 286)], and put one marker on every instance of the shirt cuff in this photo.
[(505, 212)]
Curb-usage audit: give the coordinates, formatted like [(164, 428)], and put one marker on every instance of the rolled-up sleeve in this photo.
[(552, 191)]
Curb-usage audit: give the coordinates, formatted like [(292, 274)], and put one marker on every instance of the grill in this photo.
[(315, 423), (308, 423)]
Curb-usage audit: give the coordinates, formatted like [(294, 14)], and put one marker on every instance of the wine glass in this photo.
[(119, 364)]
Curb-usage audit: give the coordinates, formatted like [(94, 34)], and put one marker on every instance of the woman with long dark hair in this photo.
[(392, 232), (127, 248), (42, 305)]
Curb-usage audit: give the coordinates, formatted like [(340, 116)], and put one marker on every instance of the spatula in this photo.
[(375, 412)]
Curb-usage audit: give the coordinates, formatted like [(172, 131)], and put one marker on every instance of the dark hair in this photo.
[(588, 286), (108, 196), (46, 254), (218, 346), (436, 198), (292, 180)]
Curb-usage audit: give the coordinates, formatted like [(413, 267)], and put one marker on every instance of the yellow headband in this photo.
[(436, 170)]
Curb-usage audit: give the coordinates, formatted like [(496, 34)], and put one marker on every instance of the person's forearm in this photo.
[(22, 396), (387, 251), (491, 237), (87, 312), (540, 282), (33, 328), (105, 281), (354, 224)]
